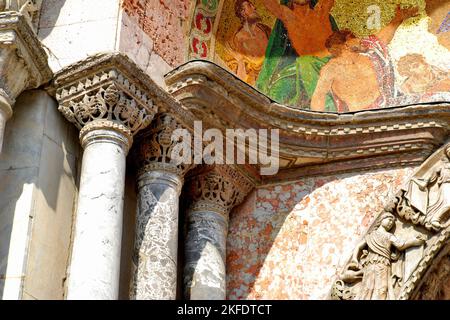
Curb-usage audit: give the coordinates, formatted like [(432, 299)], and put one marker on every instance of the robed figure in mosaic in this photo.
[(310, 63)]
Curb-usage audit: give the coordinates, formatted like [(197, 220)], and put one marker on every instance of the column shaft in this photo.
[(95, 266), (2, 128), (205, 249), (215, 191), (156, 243), (5, 114)]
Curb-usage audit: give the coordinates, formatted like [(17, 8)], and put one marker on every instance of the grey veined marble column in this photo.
[(108, 118), (154, 275), (215, 192)]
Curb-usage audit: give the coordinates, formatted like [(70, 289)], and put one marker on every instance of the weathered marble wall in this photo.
[(75, 29), (38, 173), (290, 241), (153, 34)]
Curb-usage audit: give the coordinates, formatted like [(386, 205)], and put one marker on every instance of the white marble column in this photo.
[(154, 275), (95, 266), (23, 63), (215, 193), (109, 108)]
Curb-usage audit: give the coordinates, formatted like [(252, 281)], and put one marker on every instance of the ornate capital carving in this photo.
[(23, 61), (156, 145), (104, 92), (219, 189)]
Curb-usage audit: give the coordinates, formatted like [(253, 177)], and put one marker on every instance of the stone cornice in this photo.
[(72, 81), (18, 39), (308, 137)]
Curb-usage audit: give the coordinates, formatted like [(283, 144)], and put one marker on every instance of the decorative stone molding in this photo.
[(311, 138), (23, 63), (218, 189), (30, 9), (102, 69), (422, 209), (156, 145), (435, 283), (106, 92)]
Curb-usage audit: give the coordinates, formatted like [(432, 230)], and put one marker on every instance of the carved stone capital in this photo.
[(156, 145), (218, 189), (104, 92), (30, 9), (23, 61)]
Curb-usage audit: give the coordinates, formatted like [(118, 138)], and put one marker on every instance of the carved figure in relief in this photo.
[(374, 262), (431, 195)]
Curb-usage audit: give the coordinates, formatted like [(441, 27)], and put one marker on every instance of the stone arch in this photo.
[(432, 270), (422, 211)]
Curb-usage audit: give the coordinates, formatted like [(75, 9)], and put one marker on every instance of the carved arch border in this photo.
[(437, 245), (433, 255)]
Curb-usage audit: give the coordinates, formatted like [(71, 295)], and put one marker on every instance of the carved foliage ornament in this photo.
[(219, 190), (106, 98), (23, 61), (156, 147), (107, 103)]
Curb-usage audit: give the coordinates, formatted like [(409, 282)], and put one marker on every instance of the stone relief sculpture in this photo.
[(429, 194), (378, 269), (376, 265)]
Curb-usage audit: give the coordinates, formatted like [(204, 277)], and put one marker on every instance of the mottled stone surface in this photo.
[(290, 241), (156, 242), (164, 22), (138, 45), (204, 271), (95, 265)]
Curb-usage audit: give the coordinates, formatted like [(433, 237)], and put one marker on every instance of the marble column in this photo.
[(154, 275), (214, 192), (23, 63), (108, 113), (5, 114), (95, 265)]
